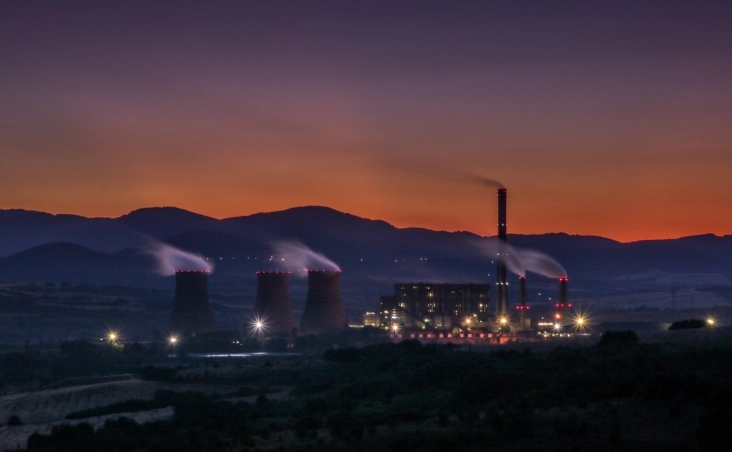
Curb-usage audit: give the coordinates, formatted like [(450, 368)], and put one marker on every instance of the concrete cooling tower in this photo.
[(323, 308), (191, 308), (273, 302)]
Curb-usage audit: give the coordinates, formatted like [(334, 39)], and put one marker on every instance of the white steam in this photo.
[(519, 261), (543, 264), (171, 259), (295, 256)]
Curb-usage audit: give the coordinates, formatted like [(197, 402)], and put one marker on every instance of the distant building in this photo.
[(371, 319), (435, 306)]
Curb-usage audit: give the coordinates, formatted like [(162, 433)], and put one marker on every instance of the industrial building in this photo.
[(435, 306), (371, 319), (273, 306), (191, 309), (323, 309)]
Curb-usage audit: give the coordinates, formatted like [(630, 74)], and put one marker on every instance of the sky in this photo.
[(600, 118)]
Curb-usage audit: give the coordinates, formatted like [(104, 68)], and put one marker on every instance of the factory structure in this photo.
[(440, 309), (323, 313), (273, 302), (323, 309), (436, 306), (416, 309), (191, 309)]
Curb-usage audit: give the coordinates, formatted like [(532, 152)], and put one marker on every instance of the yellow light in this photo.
[(580, 321), (503, 320), (173, 340), (710, 322), (112, 336)]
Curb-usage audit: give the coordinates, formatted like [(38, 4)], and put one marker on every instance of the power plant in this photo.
[(273, 305), (323, 308), (191, 308), (442, 308)]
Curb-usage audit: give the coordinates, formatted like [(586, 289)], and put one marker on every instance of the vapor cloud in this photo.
[(294, 256), (171, 259), (520, 261)]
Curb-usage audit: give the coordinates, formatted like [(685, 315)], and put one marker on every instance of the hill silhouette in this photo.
[(372, 253)]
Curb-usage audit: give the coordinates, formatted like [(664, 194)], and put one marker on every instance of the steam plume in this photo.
[(504, 253), (540, 263), (296, 256), (519, 261), (171, 259)]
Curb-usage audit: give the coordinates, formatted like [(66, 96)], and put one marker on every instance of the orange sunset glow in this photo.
[(380, 117)]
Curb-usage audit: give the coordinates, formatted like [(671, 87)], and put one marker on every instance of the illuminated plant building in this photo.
[(435, 306)]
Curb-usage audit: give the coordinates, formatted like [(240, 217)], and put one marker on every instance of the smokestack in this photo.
[(323, 308), (501, 272), (522, 306), (563, 305), (191, 308), (273, 302)]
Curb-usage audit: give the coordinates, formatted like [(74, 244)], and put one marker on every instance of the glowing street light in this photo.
[(710, 321), (173, 340), (112, 336), (258, 325), (395, 329), (557, 327)]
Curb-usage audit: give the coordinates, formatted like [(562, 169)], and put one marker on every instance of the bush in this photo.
[(14, 420), (687, 324), (614, 339)]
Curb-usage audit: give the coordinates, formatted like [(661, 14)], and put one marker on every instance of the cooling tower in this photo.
[(501, 272), (273, 302), (323, 308), (191, 308)]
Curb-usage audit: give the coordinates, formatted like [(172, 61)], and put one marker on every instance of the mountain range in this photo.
[(373, 254)]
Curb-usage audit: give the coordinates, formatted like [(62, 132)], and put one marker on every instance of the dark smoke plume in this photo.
[(492, 183), (437, 171)]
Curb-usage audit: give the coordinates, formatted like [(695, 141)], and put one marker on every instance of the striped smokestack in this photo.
[(273, 305), (191, 308), (522, 306), (563, 305), (323, 308)]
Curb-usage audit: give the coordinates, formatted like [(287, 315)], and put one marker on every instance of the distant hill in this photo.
[(373, 254)]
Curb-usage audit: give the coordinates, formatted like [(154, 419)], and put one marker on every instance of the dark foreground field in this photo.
[(615, 395)]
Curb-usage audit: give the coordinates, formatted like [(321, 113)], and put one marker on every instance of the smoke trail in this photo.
[(502, 252), (492, 183), (297, 257), (540, 263), (442, 171), (519, 261), (171, 259)]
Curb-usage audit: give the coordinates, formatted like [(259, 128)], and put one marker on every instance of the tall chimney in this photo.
[(191, 308), (501, 272), (563, 305), (323, 308), (273, 305), (522, 306)]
